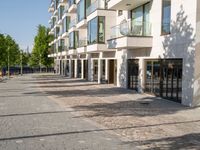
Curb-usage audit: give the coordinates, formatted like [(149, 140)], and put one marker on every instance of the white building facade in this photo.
[(150, 46)]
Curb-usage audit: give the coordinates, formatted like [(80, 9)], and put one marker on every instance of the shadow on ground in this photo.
[(184, 142)]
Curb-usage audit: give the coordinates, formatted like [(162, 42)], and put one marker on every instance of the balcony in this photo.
[(66, 13), (96, 48), (82, 24), (130, 34), (72, 25), (94, 6), (63, 50), (51, 8), (72, 6), (125, 4), (82, 43)]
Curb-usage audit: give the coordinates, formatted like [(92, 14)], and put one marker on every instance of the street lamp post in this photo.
[(40, 63), (8, 62), (21, 62)]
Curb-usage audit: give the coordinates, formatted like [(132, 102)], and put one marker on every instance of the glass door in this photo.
[(133, 71), (153, 77), (172, 80)]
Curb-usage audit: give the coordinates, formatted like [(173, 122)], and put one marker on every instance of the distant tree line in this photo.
[(12, 55)]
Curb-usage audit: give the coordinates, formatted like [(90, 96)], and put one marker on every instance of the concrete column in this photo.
[(76, 68), (122, 69), (90, 67), (82, 69), (141, 81), (99, 71), (92, 70)]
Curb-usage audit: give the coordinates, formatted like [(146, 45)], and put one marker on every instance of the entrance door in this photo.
[(133, 71), (112, 72), (67, 69), (72, 68), (95, 70), (60, 67), (172, 80), (153, 77), (164, 78), (85, 69), (79, 68)]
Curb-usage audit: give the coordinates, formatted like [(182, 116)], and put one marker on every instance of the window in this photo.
[(166, 16), (140, 20), (60, 12), (96, 30), (66, 24), (120, 12), (81, 12), (73, 40), (101, 29)]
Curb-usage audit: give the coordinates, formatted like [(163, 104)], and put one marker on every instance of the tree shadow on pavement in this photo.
[(184, 142), (147, 106)]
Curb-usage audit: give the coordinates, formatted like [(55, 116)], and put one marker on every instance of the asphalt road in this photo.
[(29, 120)]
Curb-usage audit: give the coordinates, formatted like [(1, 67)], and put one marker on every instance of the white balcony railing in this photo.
[(131, 28)]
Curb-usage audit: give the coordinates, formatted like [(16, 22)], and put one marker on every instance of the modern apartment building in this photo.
[(150, 46)]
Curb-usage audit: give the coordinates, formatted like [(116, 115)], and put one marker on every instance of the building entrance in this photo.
[(133, 71), (164, 78)]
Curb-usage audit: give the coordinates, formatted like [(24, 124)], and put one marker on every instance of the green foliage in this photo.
[(40, 49), (9, 50)]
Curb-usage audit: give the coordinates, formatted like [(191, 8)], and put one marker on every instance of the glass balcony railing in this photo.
[(71, 2), (63, 48), (131, 28), (94, 6), (66, 8), (73, 23), (82, 42)]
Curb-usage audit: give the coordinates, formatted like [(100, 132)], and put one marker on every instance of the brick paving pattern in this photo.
[(138, 119)]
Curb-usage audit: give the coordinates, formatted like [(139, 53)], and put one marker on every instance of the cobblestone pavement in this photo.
[(138, 119), (29, 120)]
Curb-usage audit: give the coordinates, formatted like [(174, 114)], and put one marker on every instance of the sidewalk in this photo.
[(139, 119)]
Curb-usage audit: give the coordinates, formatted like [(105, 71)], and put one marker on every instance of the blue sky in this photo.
[(20, 19)]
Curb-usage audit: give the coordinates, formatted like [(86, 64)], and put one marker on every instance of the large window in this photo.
[(166, 16), (81, 13), (73, 40), (141, 20), (96, 30), (60, 12), (66, 24)]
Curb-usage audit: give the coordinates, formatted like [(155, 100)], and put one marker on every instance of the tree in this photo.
[(2, 51), (8, 47), (40, 50)]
